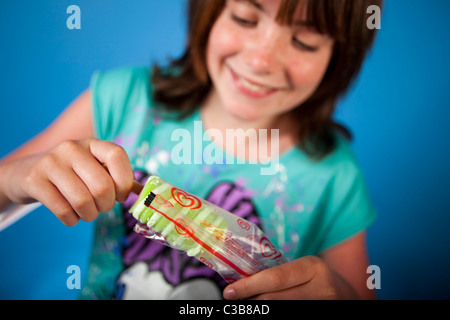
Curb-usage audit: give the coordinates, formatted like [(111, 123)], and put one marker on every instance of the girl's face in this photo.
[(259, 68)]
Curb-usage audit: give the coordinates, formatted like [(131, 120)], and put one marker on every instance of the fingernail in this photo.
[(229, 294)]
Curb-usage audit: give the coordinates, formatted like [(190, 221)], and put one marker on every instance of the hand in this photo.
[(304, 278), (70, 179)]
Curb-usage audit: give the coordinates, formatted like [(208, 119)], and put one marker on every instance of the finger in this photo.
[(303, 291), (118, 164), (273, 279), (73, 189), (97, 180), (55, 202)]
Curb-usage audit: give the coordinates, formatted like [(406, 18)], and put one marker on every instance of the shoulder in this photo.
[(115, 94), (349, 205), (345, 182), (341, 160), (337, 174), (121, 78), (124, 73), (120, 86)]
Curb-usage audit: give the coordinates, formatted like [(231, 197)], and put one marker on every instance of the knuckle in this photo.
[(313, 260), (87, 141), (68, 146), (72, 222), (116, 153), (325, 277), (85, 208), (330, 293), (316, 263), (107, 206), (82, 203), (323, 269), (102, 189), (103, 194), (90, 217), (276, 278), (31, 179), (67, 216), (48, 161)]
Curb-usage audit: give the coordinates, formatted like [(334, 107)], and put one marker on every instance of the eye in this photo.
[(243, 22), (303, 46)]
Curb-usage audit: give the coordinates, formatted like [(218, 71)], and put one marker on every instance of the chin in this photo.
[(244, 114)]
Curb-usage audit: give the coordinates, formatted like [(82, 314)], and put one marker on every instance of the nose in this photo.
[(264, 53)]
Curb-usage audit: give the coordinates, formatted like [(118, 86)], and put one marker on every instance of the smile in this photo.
[(251, 88), (254, 87)]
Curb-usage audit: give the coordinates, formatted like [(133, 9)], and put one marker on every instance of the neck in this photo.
[(215, 116)]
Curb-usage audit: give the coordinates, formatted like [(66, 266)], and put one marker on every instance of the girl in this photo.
[(249, 64)]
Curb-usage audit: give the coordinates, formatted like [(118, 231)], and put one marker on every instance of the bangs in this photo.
[(324, 16)]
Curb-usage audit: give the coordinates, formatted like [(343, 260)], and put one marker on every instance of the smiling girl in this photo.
[(259, 64)]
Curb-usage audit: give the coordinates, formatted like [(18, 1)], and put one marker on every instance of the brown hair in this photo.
[(343, 20)]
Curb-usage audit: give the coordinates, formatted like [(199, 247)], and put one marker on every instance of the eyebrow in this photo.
[(299, 23), (255, 3)]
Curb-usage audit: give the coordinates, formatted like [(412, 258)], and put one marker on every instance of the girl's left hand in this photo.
[(304, 278)]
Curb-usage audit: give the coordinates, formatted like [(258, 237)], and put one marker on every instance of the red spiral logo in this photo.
[(268, 250), (163, 202), (243, 224), (183, 229), (185, 199)]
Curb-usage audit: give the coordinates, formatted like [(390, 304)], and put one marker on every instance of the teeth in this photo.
[(253, 87)]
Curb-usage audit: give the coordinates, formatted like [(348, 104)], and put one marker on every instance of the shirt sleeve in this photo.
[(115, 93), (349, 207)]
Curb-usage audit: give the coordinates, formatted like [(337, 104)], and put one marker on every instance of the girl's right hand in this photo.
[(70, 179)]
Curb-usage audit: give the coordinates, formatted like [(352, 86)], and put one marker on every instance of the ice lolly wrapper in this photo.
[(232, 246)]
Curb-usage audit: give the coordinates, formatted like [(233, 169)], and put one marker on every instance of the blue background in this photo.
[(398, 110)]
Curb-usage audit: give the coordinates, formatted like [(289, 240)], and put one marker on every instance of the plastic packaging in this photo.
[(232, 246)]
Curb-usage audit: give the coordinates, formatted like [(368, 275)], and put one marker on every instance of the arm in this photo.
[(350, 260), (338, 274), (61, 167)]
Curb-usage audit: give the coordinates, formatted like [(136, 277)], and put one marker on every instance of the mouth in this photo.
[(251, 88)]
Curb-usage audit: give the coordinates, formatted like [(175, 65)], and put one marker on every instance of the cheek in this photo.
[(307, 74), (223, 42)]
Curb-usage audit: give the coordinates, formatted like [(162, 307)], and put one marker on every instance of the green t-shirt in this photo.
[(304, 207)]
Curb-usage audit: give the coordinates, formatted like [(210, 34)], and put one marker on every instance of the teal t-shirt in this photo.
[(304, 206)]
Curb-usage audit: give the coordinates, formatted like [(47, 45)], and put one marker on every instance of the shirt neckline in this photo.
[(282, 158)]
